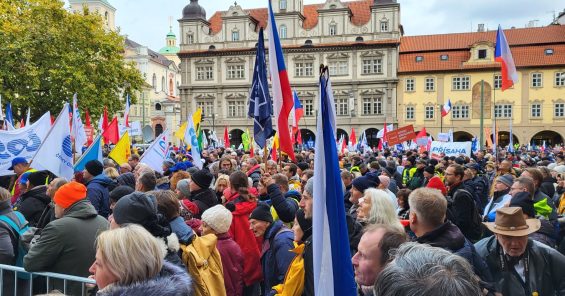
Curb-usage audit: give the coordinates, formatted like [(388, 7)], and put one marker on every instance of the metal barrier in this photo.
[(27, 285)]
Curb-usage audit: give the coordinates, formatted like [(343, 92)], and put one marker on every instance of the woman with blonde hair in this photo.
[(376, 208), (112, 173), (129, 261), (222, 183)]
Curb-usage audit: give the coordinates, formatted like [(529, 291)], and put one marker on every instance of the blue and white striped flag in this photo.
[(333, 272)]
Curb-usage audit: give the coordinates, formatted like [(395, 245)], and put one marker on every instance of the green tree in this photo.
[(49, 53)]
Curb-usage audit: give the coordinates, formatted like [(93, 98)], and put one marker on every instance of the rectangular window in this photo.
[(282, 4), (482, 54), (236, 72), (339, 68), (372, 106), (536, 79), (333, 29), (460, 112), (236, 109), (429, 112), (560, 79), (410, 84), (303, 69), (497, 81), (342, 107), (384, 26), (410, 113), (559, 110), (535, 111), (205, 73), (235, 36), (207, 107), (461, 83), (430, 84), (503, 111), (190, 39), (372, 66), (308, 107)]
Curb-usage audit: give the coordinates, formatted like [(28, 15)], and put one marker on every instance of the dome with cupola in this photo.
[(193, 11)]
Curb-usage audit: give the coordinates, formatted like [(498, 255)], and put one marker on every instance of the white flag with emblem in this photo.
[(190, 137)]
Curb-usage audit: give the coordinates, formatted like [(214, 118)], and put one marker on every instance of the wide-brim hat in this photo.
[(510, 221)]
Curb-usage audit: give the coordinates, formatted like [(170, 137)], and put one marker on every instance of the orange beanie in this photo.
[(69, 194)]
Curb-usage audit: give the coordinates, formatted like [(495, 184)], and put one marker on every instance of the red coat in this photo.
[(232, 263), (244, 237)]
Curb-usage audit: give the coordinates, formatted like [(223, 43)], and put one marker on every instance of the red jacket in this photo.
[(232, 263), (244, 237)]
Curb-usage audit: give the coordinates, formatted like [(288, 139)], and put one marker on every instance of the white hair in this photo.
[(382, 211)]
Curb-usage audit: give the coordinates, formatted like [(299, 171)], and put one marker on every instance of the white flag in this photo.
[(389, 128), (56, 153), (78, 128), (190, 137), (157, 152)]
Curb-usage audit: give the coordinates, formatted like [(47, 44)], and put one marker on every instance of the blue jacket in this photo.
[(276, 255), (98, 192)]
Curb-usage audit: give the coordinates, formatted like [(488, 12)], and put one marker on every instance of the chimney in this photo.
[(481, 28)]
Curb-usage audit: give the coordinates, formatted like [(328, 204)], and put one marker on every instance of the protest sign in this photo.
[(400, 135), (450, 149)]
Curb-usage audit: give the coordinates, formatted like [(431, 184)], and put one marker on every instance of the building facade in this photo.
[(460, 67), (358, 40)]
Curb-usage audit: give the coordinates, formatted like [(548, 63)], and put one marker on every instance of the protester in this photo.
[(48, 214), (403, 210), (146, 182), (384, 185), (282, 200), (222, 183), (500, 198), (133, 161), (376, 208), (201, 196), (19, 166), (546, 233), (168, 206), (125, 168), (463, 209), (33, 202), (359, 185), (126, 179), (98, 187)]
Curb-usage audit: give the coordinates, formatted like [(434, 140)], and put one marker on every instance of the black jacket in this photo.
[(547, 186), (204, 199), (32, 204), (286, 207), (308, 256), (462, 211)]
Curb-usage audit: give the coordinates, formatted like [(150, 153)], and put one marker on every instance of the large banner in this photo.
[(400, 135), (22, 142), (450, 149), (133, 130)]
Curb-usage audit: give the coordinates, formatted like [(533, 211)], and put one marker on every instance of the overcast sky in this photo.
[(147, 21)]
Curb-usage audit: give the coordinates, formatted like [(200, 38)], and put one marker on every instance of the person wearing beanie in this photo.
[(183, 189), (34, 200), (429, 172), (141, 208), (98, 187), (202, 197), (217, 220), (118, 193), (358, 187), (67, 244), (500, 198), (126, 179), (277, 241), (546, 232)]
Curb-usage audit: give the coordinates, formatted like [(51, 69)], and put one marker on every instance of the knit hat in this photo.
[(69, 194), (136, 207), (120, 192), (168, 163), (127, 179), (94, 167), (183, 187), (430, 170), (218, 218), (436, 183), (524, 201), (192, 170), (506, 179), (364, 182), (390, 171), (262, 212), (303, 166), (38, 178), (202, 178)]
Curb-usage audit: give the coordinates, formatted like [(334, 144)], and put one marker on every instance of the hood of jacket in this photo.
[(82, 210), (102, 180), (447, 236), (171, 281)]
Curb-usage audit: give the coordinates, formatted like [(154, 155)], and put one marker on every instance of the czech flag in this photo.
[(297, 113), (503, 55), (282, 94), (446, 108)]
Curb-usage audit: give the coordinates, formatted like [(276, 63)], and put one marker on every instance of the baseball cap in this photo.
[(16, 161)]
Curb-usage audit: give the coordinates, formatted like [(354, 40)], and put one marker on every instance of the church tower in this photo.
[(171, 49), (102, 7)]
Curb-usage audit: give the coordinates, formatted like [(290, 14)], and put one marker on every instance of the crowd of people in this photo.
[(480, 225)]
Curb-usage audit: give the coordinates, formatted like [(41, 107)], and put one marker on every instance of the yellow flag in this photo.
[(276, 141), (180, 133), (197, 117), (121, 151)]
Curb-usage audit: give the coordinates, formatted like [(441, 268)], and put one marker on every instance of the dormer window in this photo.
[(384, 26), (482, 54), (419, 59), (549, 51), (444, 57), (282, 4)]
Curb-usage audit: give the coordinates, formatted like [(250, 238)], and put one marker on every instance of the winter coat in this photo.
[(244, 237), (203, 199), (67, 245), (232, 263), (417, 179), (460, 210), (546, 234), (9, 247), (163, 184), (204, 263), (171, 281), (548, 187), (98, 192), (545, 270), (293, 284), (449, 237), (276, 255), (286, 207), (498, 201), (308, 267), (170, 248), (255, 174), (32, 204), (47, 216)]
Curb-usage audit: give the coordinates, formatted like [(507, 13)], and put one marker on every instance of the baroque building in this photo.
[(357, 40)]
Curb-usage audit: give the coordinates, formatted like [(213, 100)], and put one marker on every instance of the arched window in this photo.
[(158, 107), (163, 83), (283, 31), (154, 82)]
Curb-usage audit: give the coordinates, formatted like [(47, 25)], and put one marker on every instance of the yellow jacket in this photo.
[(293, 284), (204, 264)]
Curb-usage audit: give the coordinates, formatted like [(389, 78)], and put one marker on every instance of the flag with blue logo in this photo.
[(191, 138), (333, 272), (94, 152), (78, 131), (56, 151), (260, 106)]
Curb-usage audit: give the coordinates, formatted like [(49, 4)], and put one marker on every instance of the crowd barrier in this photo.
[(10, 284)]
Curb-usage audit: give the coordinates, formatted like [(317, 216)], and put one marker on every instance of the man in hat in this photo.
[(67, 244), (33, 202), (519, 265), (99, 187), (19, 166), (201, 196), (277, 241)]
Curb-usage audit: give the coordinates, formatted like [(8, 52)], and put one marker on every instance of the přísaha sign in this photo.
[(450, 149), (22, 142)]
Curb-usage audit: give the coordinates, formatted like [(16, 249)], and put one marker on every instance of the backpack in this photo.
[(204, 264), (475, 226), (21, 249)]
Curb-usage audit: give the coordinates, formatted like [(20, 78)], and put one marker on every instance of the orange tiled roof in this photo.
[(524, 36), (361, 14)]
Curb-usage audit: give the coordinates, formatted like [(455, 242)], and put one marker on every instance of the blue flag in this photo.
[(9, 118), (94, 152), (260, 106)]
